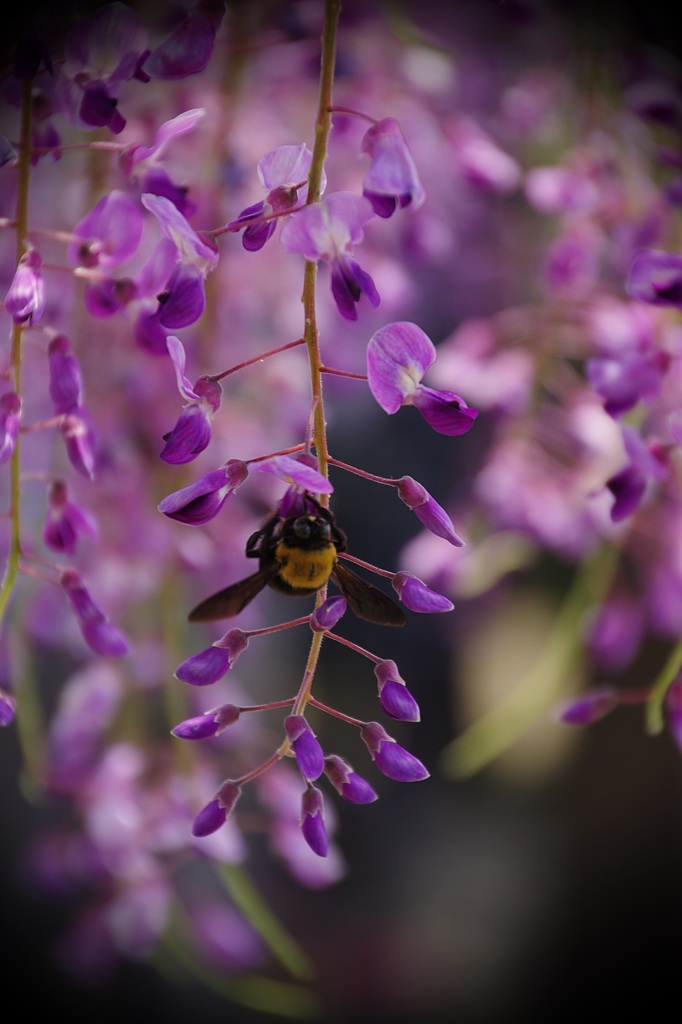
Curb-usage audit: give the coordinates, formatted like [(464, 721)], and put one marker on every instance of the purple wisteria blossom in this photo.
[(216, 812), (210, 724), (312, 821), (8, 707), (390, 758), (25, 299), (10, 421), (189, 46), (348, 783), (394, 697), (647, 461), (201, 501), (327, 231), (284, 173), (66, 521), (398, 356), (98, 632), (427, 510), (392, 180), (656, 277), (192, 432), (416, 596), (327, 614), (307, 750), (109, 234), (142, 164), (211, 664)]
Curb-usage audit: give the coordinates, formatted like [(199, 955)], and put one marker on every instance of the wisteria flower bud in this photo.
[(215, 813), (78, 439), (10, 421), (201, 501), (427, 510), (307, 749), (328, 614), (211, 723), (66, 521), (390, 758), (312, 821), (66, 379), (8, 706), (393, 760), (211, 664), (346, 782), (589, 707), (100, 634), (416, 596), (25, 299), (394, 697)]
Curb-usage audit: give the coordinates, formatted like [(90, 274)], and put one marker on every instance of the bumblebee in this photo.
[(298, 553)]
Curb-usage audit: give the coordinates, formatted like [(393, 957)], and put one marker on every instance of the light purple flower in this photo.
[(142, 163), (193, 249), (656, 277), (327, 231), (427, 510), (398, 356), (100, 634), (312, 821), (284, 173), (394, 697), (211, 664), (392, 179), (109, 234), (297, 473), (390, 758), (307, 749), (589, 707), (79, 439), (480, 161), (25, 299), (10, 421), (346, 782), (66, 521), (628, 486), (416, 596), (199, 502), (624, 380)]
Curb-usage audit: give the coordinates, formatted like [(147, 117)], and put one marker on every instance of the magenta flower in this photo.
[(307, 749), (416, 596), (211, 664), (625, 380), (10, 421), (192, 432), (427, 510), (392, 179), (390, 758), (298, 473), (66, 379), (66, 521), (312, 821), (628, 486), (398, 356), (284, 173), (656, 277), (100, 634), (25, 299), (79, 440), (199, 502), (394, 697), (589, 707), (109, 234), (142, 163), (346, 782), (327, 231)]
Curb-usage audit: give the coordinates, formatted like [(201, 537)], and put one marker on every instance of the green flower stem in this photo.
[(21, 227), (667, 675), (496, 731)]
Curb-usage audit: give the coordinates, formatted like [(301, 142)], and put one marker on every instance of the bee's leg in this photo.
[(257, 541)]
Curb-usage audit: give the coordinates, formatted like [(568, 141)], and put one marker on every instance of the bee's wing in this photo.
[(232, 599), (365, 600)]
